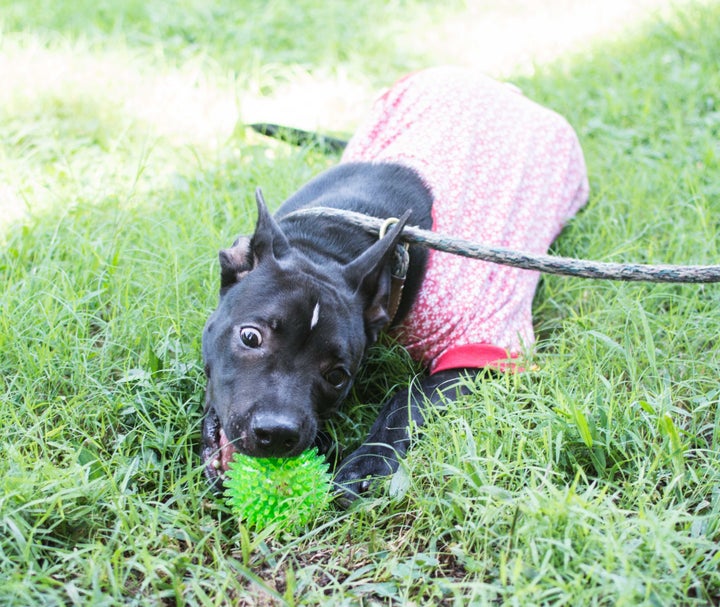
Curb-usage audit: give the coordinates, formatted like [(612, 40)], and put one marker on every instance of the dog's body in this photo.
[(303, 299)]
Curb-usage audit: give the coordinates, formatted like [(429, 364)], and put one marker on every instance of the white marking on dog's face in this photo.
[(315, 316)]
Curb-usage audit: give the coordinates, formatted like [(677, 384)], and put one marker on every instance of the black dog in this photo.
[(303, 298), (300, 302)]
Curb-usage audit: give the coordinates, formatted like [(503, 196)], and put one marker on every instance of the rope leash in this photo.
[(549, 264)]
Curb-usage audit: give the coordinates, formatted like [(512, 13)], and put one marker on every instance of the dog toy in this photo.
[(285, 491)]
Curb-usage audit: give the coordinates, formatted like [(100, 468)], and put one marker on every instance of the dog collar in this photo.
[(398, 270)]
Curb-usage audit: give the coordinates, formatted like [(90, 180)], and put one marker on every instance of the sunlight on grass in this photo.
[(517, 36), (184, 106), (130, 122), (502, 39)]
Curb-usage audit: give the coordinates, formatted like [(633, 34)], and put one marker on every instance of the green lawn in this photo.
[(594, 480)]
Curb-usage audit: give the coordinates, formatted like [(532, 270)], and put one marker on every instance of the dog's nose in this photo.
[(275, 435)]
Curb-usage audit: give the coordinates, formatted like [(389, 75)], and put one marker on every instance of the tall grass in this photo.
[(591, 481)]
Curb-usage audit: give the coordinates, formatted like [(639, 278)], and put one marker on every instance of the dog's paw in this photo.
[(361, 469)]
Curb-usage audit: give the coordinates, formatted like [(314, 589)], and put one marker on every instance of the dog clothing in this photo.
[(504, 171)]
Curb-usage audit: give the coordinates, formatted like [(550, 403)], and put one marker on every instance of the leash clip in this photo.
[(386, 225), (401, 257)]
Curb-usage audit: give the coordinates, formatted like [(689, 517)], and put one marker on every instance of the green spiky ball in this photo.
[(286, 491)]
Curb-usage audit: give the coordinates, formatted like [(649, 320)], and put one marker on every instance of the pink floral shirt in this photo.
[(504, 171)]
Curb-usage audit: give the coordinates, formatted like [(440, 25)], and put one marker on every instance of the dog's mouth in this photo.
[(217, 450)]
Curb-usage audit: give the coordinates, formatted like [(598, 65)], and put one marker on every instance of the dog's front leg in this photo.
[(389, 437)]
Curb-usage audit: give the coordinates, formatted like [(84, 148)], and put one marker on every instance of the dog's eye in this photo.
[(250, 337), (337, 377)]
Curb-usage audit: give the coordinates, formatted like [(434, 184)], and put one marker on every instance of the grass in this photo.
[(592, 481)]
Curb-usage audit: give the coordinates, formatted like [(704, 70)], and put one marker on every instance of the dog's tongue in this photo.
[(226, 450)]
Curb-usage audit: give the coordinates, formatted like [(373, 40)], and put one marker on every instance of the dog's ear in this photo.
[(268, 241), (235, 263), (369, 274)]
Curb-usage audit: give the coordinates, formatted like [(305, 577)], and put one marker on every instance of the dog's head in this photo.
[(285, 342)]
